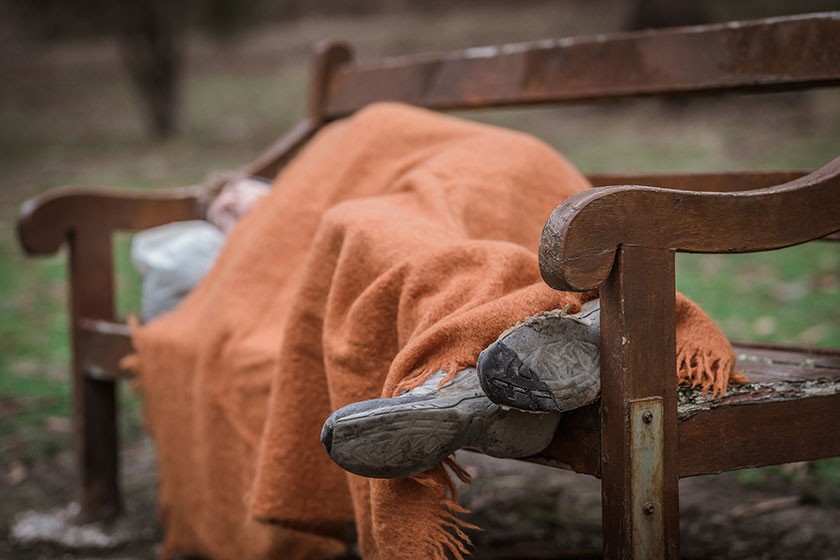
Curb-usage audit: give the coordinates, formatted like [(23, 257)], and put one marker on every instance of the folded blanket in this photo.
[(398, 243)]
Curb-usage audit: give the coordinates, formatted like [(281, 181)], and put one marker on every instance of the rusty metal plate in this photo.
[(647, 447)]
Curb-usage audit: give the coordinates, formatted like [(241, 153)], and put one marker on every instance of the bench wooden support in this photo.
[(644, 434), (85, 220), (785, 53), (102, 346), (326, 60), (94, 400), (639, 406)]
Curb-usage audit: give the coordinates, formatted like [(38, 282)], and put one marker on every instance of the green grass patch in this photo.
[(787, 296)]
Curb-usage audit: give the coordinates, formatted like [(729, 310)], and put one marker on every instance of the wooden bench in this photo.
[(644, 433)]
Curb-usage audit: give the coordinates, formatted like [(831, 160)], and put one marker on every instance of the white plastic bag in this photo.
[(172, 259)]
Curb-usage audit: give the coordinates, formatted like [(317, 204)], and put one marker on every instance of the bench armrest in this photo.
[(580, 239), (45, 222), (85, 220)]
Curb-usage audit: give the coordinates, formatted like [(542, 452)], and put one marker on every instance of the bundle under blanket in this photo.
[(400, 242)]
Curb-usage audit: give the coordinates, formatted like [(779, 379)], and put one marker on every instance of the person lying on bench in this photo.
[(384, 300), (563, 348)]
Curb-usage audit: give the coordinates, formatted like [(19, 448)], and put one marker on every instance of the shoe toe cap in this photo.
[(327, 433)]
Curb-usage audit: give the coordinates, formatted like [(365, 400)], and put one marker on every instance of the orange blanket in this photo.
[(399, 242)]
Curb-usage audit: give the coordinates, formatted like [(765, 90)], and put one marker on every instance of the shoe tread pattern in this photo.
[(508, 381)]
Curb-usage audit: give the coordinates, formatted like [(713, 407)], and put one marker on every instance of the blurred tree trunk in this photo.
[(648, 14), (151, 35)]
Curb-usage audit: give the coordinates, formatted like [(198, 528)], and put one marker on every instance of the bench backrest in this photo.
[(775, 54), (778, 53)]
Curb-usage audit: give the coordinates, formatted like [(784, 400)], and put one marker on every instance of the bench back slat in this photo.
[(776, 53), (726, 181)]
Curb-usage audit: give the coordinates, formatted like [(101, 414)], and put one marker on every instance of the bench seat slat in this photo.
[(784, 382), (107, 343), (733, 437), (770, 363)]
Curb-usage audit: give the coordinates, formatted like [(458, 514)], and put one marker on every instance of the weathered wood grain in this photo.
[(779, 53), (724, 181), (638, 360), (579, 241)]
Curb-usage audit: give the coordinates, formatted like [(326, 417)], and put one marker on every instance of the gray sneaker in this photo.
[(550, 362), (411, 433)]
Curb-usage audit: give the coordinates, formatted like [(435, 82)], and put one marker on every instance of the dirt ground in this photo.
[(557, 514), (525, 511)]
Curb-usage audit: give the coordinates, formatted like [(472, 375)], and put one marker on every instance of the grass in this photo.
[(70, 118), (788, 296)]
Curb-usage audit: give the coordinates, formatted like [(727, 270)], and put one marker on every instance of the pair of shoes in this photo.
[(548, 364), (411, 433)]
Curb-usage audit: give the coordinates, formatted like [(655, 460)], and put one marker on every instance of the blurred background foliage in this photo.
[(157, 93), (151, 33)]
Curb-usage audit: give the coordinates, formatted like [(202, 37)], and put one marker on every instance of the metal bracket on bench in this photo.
[(647, 448)]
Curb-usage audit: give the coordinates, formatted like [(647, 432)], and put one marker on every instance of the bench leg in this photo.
[(95, 426), (94, 401), (639, 470)]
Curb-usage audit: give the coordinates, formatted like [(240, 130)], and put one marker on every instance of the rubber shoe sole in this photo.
[(549, 363), (406, 435)]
